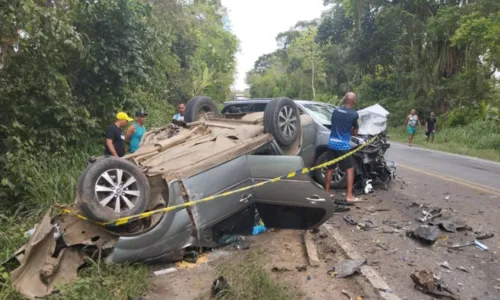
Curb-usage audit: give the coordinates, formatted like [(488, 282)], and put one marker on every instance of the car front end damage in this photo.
[(372, 164)]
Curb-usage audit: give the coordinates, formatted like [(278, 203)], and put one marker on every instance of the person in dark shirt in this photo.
[(344, 123), (115, 140), (430, 127)]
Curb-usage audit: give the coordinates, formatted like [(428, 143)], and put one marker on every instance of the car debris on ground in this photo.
[(346, 267), (350, 297), (426, 282), (242, 244), (350, 220), (476, 243), (165, 271), (425, 234), (219, 286), (430, 215), (445, 265), (367, 225), (484, 236), (46, 262)]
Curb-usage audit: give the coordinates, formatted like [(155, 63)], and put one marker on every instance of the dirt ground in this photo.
[(284, 250), (398, 255)]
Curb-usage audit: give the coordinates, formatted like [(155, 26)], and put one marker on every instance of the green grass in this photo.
[(480, 139), (97, 282), (249, 281)]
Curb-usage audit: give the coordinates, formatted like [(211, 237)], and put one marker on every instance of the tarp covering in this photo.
[(372, 120)]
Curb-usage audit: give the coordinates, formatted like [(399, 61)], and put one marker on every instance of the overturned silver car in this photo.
[(208, 154)]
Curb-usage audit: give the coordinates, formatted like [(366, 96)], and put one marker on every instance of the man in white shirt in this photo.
[(180, 115)]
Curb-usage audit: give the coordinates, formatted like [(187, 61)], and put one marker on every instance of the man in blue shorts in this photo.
[(344, 123)]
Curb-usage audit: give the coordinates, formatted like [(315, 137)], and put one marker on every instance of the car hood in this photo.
[(372, 120)]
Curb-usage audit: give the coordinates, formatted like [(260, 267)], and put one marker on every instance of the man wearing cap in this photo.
[(115, 140), (136, 131)]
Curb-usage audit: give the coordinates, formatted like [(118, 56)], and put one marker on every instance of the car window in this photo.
[(244, 108), (322, 113)]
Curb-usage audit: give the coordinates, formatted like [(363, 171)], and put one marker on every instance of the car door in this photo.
[(227, 177), (294, 203)]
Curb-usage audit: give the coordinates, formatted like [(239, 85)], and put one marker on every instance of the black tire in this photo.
[(276, 113), (90, 200), (197, 105), (319, 174)]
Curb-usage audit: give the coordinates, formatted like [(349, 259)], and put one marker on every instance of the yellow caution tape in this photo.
[(126, 220)]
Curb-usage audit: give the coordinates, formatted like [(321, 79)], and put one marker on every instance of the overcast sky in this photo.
[(257, 22)]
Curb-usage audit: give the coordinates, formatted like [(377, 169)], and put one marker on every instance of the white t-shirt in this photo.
[(412, 120), (178, 117)]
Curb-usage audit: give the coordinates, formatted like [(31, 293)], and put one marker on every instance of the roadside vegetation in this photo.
[(66, 68), (430, 55)]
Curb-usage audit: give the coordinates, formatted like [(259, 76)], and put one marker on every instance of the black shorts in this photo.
[(344, 164), (431, 132)]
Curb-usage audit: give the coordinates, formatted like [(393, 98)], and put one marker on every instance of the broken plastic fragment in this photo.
[(426, 282), (242, 244), (165, 271), (350, 220), (219, 286), (424, 233), (485, 236), (348, 267), (445, 265)]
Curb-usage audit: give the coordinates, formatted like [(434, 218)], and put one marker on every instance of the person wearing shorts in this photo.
[(344, 123), (411, 125), (430, 127)]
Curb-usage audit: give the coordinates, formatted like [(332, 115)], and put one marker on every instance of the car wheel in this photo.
[(339, 178), (112, 188), (197, 107), (282, 120)]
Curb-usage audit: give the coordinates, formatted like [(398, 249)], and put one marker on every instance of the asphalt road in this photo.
[(476, 172), (466, 189)]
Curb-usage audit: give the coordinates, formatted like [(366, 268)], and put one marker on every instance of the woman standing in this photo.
[(411, 125), (136, 131)]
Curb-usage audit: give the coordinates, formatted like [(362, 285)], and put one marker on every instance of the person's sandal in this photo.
[(343, 202)]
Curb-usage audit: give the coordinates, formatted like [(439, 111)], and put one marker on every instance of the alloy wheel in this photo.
[(118, 190)]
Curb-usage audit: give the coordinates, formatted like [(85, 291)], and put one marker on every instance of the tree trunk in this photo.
[(312, 75)]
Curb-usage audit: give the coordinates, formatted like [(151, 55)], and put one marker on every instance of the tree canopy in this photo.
[(67, 67), (432, 55)]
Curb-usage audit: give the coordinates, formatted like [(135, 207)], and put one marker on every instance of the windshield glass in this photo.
[(322, 113)]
